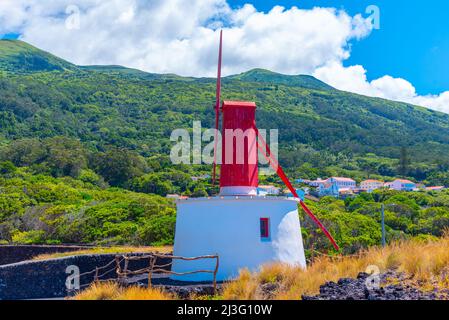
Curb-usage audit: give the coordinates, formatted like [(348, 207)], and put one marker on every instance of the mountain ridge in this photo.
[(267, 76), (115, 105), (19, 56)]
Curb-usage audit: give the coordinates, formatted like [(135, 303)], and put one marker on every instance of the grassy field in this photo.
[(105, 250), (111, 291), (426, 264)]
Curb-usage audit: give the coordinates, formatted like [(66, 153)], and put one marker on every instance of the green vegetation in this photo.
[(84, 151), (355, 222), (319, 127), (265, 76), (20, 57), (38, 209)]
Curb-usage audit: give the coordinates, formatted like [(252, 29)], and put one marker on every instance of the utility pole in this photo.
[(383, 225)]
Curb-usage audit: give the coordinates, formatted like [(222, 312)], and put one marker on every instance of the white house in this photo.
[(268, 190), (202, 177), (301, 193), (403, 185), (176, 197), (343, 183), (315, 183), (329, 189), (436, 188), (370, 185)]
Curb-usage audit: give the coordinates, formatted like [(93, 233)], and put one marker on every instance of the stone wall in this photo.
[(13, 254), (47, 278)]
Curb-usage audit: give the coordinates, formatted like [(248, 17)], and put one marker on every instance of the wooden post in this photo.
[(215, 274), (96, 274), (125, 269), (150, 271), (118, 268)]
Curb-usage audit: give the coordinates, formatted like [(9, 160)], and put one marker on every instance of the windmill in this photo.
[(244, 229)]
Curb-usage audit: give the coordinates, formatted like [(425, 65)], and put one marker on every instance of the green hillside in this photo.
[(320, 127), (84, 151), (266, 76), (20, 57)]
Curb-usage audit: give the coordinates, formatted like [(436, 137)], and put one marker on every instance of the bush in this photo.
[(89, 176), (29, 237), (7, 167), (158, 230), (152, 183)]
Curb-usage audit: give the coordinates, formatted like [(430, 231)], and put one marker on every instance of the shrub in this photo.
[(7, 167), (158, 230), (29, 237)]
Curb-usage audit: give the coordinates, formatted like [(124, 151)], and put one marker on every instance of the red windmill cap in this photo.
[(239, 104)]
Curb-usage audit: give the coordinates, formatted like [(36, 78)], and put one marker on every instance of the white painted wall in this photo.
[(238, 191), (230, 227), (401, 185)]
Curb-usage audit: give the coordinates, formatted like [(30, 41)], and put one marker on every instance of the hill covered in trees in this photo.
[(87, 147), (319, 127)]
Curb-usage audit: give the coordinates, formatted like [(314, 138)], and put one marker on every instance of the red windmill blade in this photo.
[(217, 107), (265, 150)]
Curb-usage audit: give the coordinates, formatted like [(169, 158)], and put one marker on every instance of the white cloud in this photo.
[(178, 36), (437, 102), (354, 79)]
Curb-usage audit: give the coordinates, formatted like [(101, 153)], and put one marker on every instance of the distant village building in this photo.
[(403, 185), (329, 189), (437, 188), (345, 192), (334, 186), (315, 183), (301, 193), (176, 197), (343, 183), (388, 185), (268, 190), (371, 185), (202, 177)]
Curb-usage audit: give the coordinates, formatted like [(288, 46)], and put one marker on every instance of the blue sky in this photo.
[(412, 43)]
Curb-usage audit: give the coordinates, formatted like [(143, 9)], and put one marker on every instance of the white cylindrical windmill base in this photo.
[(231, 228), (238, 191)]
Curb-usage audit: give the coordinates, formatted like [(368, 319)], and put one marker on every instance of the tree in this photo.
[(199, 192), (404, 162), (151, 183), (117, 165), (24, 152), (7, 167), (65, 156)]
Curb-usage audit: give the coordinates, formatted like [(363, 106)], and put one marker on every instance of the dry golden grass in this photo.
[(426, 263), (112, 291), (105, 250)]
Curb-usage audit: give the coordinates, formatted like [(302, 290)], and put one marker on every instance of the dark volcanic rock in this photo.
[(185, 292), (269, 289), (47, 278), (361, 289)]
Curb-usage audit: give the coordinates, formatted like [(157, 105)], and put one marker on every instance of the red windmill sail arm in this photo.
[(217, 107), (263, 147)]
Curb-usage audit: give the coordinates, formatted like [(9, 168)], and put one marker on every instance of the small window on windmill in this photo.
[(265, 229)]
